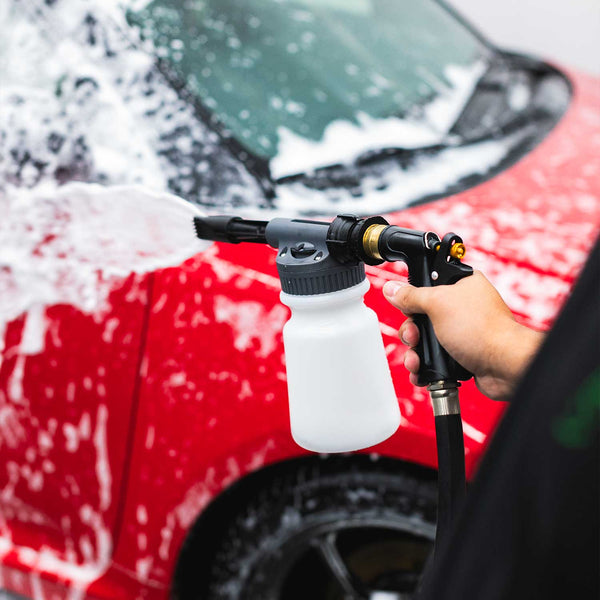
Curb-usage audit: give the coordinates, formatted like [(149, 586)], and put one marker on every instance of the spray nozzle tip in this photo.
[(214, 228), (233, 230)]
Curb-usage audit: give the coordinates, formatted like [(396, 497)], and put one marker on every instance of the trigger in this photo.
[(447, 267)]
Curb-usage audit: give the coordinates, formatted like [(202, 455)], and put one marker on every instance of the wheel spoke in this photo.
[(326, 545)]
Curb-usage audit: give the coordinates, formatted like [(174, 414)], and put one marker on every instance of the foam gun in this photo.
[(339, 385)]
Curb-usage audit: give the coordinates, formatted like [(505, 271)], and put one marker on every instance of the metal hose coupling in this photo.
[(444, 397)]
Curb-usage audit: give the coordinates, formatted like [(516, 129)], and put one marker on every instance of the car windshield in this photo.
[(282, 73)]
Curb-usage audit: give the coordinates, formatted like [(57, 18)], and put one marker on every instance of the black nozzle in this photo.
[(232, 230)]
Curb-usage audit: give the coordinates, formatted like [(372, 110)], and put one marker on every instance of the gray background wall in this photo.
[(567, 31)]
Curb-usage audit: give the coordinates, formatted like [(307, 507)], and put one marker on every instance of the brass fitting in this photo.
[(371, 240), (458, 251)]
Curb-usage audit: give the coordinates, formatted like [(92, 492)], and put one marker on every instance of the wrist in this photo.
[(514, 352)]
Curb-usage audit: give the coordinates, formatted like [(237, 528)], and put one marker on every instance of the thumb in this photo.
[(409, 299)]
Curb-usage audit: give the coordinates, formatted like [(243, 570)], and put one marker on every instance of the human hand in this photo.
[(474, 325)]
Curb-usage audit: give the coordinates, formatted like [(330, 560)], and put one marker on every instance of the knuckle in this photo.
[(404, 296)]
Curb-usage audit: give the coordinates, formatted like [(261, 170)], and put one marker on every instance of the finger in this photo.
[(391, 287), (409, 299), (411, 361), (409, 333), (414, 379)]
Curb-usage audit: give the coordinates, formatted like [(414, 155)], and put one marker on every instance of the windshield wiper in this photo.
[(399, 153), (350, 175)]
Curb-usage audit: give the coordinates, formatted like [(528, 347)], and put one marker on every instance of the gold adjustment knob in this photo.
[(458, 251)]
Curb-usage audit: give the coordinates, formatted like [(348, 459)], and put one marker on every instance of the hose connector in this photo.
[(371, 240), (444, 398)]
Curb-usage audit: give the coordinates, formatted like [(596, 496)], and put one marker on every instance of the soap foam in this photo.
[(73, 244)]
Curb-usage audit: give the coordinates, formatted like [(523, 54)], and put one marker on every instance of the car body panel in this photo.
[(65, 419)]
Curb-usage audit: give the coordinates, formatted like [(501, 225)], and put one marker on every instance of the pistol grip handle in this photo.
[(435, 363)]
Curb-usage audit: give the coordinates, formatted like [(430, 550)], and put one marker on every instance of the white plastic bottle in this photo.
[(340, 388)]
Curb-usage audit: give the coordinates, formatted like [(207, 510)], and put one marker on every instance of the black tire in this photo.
[(334, 529)]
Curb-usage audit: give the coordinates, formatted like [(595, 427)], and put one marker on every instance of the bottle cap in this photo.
[(306, 268), (304, 277)]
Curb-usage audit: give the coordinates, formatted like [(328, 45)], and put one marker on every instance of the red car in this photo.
[(144, 436)]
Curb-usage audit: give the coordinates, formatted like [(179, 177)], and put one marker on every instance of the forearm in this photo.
[(511, 357)]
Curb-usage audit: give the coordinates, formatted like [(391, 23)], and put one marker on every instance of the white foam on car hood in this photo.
[(52, 84), (343, 141), (395, 188), (82, 99), (71, 245)]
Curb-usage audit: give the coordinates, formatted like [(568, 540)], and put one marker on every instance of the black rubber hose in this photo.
[(451, 472)]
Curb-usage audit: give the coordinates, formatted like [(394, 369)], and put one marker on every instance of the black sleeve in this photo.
[(530, 527)]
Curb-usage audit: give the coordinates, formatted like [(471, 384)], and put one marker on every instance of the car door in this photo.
[(70, 340)]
